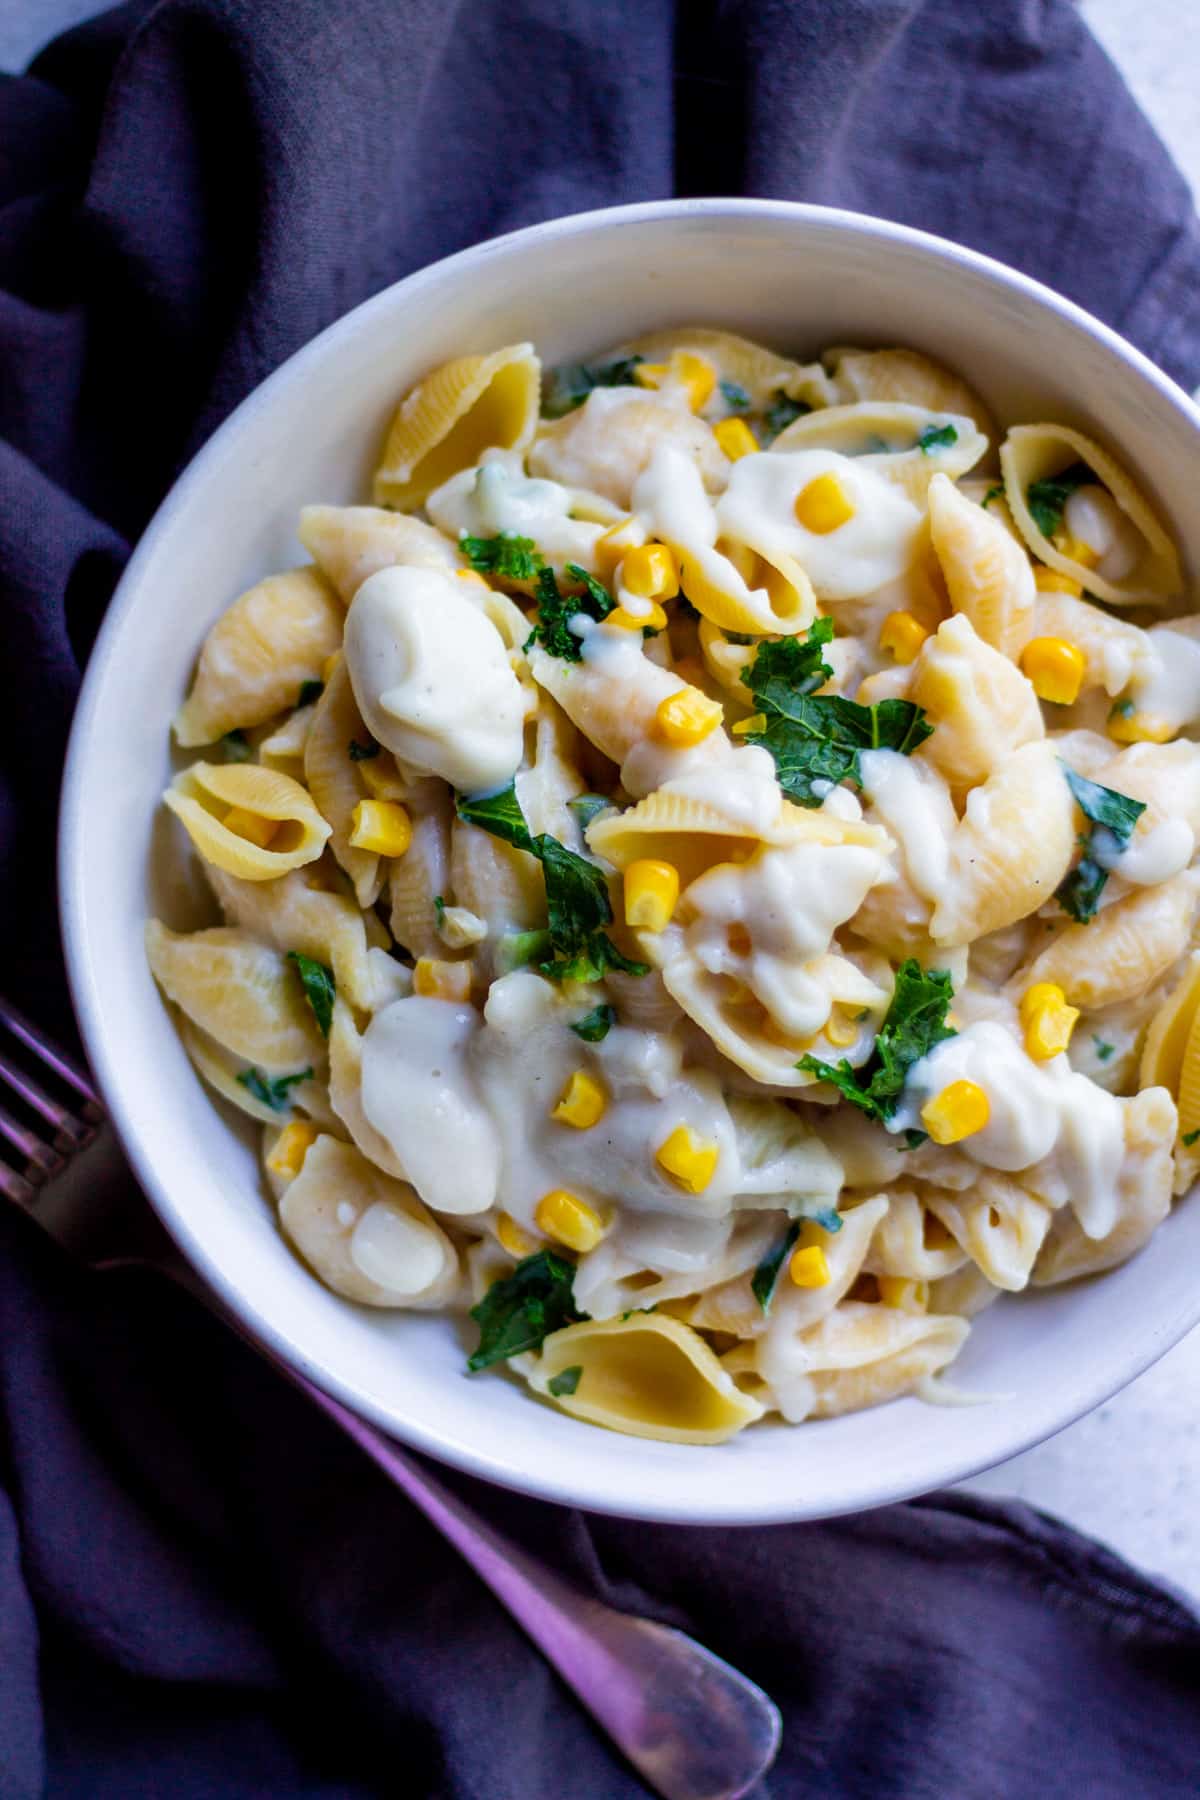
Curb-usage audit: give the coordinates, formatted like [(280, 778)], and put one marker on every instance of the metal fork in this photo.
[(693, 1727)]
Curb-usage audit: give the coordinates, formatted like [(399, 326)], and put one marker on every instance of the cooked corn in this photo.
[(1056, 668), (616, 543), (1076, 549), (1052, 581), (687, 717), (291, 1147), (583, 1102), (381, 826), (957, 1112), (689, 1160), (841, 1029), (756, 722), (651, 572), (901, 636), (809, 1267), (735, 438), (1137, 728), (569, 1220), (1047, 1020), (438, 980), (651, 894), (653, 619), (823, 504)]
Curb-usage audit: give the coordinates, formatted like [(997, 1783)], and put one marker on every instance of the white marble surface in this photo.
[(1129, 1473)]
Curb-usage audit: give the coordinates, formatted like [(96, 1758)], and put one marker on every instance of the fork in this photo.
[(691, 1725)]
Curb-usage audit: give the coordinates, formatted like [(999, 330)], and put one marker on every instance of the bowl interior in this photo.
[(800, 278)]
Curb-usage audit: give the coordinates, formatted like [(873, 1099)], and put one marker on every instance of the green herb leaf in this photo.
[(517, 949), (512, 557), (937, 437), (827, 1217), (236, 747), (595, 1026), (363, 752), (555, 610), (1112, 818), (994, 493), (310, 691), (273, 1092), (1103, 1050), (499, 813), (1046, 499), (1122, 709), (762, 1282), (736, 397), (566, 1382), (914, 1139), (780, 414), (523, 1308), (915, 1022), (319, 987), (586, 807), (567, 387), (819, 738), (439, 909), (1189, 1138)]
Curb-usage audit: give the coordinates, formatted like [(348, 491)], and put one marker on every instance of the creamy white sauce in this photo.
[(877, 545), (432, 678), (1043, 1115), (1166, 686), (1151, 856), (915, 803), (397, 1251), (1093, 516), (498, 497), (419, 1092)]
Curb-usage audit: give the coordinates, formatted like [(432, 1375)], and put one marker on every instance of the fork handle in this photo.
[(693, 1727)]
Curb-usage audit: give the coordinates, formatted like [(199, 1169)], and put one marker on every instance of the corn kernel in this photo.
[(438, 980), (1056, 668), (1137, 728), (901, 636), (689, 1160), (756, 722), (841, 1030), (823, 505), (1076, 549), (735, 438), (651, 894), (1047, 1020), (906, 1296), (380, 826), (291, 1147), (471, 575), (569, 1220), (513, 1237), (250, 825), (617, 542), (697, 374), (957, 1112), (1053, 581), (651, 572), (653, 619), (687, 717), (583, 1102), (809, 1267)]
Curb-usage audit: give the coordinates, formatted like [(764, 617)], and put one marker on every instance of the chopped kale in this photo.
[(1046, 499), (915, 1022), (236, 747), (272, 1091), (736, 397), (1112, 817), (521, 1310), (937, 437), (595, 1026), (566, 1381), (319, 987), (509, 556), (569, 386)]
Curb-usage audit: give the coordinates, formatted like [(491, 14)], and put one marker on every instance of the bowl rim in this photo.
[(1075, 1399)]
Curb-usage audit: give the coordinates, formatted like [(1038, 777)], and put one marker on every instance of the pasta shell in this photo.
[(1123, 951), (220, 1068), (1114, 651), (1011, 849), (761, 373), (981, 706), (345, 1091), (242, 993), (453, 415), (612, 715), (746, 590), (648, 1376), (726, 661), (258, 655), (283, 749), (1167, 1039), (422, 873), (335, 782), (864, 1355), (349, 543), (886, 436), (554, 777), (907, 376), (1144, 1198), (784, 1163), (910, 1241), (606, 443), (1039, 452), (501, 885), (294, 914), (367, 1237), (967, 1292), (988, 576), (203, 795), (999, 1225), (642, 1001)]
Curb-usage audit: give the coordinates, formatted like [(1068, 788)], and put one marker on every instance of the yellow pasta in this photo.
[(247, 821), (453, 415)]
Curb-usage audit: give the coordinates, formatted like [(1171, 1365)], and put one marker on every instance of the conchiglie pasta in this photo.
[(1123, 951), (345, 1092), (350, 543), (692, 834), (648, 1376), (981, 706), (335, 781), (988, 576), (300, 912), (864, 1355), (452, 416), (1144, 1198), (907, 445), (911, 1242), (1114, 651), (366, 1236), (1011, 849), (1171, 1059), (610, 439), (907, 376), (258, 655), (1000, 1226), (242, 993), (1138, 565), (220, 805), (761, 374)]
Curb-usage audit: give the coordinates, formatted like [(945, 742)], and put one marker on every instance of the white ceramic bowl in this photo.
[(801, 278)]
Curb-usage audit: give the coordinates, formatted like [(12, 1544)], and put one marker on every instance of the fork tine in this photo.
[(48, 1108), (15, 1187), (63, 1065), (48, 1161)]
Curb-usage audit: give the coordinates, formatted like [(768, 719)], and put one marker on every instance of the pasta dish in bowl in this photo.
[(706, 870), (657, 754)]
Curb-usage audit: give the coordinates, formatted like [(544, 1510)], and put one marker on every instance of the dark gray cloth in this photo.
[(203, 1590)]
